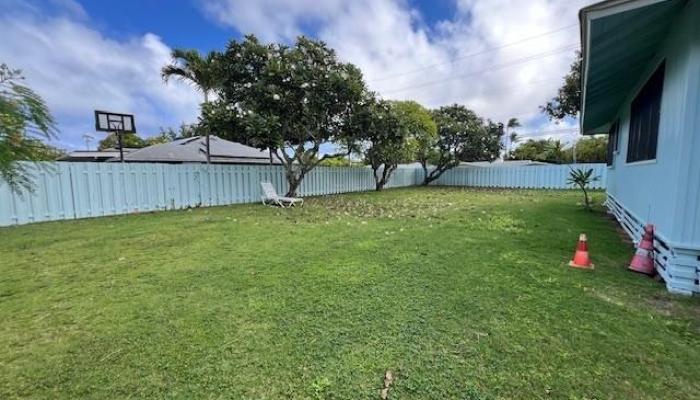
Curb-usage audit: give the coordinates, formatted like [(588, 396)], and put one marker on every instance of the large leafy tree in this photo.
[(129, 140), (46, 152), (24, 121), (461, 136), (384, 138), (589, 150), (183, 131), (202, 72), (567, 103), (421, 128), (487, 146), (164, 136), (401, 138), (289, 99), (512, 124), (546, 150)]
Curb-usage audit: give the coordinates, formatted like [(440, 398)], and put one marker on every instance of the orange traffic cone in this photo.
[(643, 260), (581, 259)]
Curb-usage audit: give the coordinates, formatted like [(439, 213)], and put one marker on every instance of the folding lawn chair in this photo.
[(270, 197)]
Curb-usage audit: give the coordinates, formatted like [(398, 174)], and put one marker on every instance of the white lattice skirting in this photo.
[(678, 266)]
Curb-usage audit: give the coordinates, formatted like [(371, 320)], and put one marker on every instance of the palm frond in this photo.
[(190, 67)]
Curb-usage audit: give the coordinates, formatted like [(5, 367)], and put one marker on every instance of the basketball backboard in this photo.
[(114, 122)]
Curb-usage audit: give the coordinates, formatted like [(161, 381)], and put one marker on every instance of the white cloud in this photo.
[(77, 70), (72, 8), (565, 131), (449, 62), (274, 20)]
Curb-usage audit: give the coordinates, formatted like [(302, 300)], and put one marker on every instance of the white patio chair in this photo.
[(270, 197)]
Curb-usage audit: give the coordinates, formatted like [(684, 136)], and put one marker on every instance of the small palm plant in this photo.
[(583, 178)]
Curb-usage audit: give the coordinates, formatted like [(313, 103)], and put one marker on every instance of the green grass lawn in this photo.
[(464, 294)]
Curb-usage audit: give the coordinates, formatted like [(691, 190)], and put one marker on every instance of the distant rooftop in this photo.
[(193, 150), (94, 155)]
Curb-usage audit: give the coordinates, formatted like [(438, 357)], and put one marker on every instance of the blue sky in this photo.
[(501, 58), (108, 16), (181, 26)]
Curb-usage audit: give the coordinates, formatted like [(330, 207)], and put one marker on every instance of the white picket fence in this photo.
[(67, 190)]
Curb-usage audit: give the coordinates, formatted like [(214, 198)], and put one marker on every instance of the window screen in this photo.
[(644, 119)]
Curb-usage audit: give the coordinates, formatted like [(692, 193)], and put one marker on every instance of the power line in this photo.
[(505, 90), (490, 69), (485, 51)]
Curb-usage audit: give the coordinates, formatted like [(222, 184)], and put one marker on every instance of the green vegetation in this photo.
[(291, 100), (129, 140), (588, 150), (567, 102), (134, 141), (202, 72), (461, 136), (24, 122), (294, 100), (583, 178), (384, 138), (462, 293)]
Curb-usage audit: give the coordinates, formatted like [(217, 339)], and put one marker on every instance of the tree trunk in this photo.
[(436, 173), (294, 180), (433, 176), (380, 181), (424, 164), (206, 100), (378, 184), (585, 197), (293, 187)]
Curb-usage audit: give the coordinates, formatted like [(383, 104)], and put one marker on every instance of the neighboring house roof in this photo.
[(619, 39), (193, 150), (94, 155), (508, 163)]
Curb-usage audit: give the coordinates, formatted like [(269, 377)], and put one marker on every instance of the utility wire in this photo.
[(505, 90), (486, 71), (485, 51)]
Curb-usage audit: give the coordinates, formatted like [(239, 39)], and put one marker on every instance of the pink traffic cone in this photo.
[(643, 259)]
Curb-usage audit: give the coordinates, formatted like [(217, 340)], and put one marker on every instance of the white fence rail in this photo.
[(83, 189)]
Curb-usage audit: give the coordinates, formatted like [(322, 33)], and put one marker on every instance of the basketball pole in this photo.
[(121, 146)]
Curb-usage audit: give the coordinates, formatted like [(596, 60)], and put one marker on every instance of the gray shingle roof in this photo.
[(194, 150)]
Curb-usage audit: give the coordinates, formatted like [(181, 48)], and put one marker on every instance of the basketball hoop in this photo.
[(116, 123)]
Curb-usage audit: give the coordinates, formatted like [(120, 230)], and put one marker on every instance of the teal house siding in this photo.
[(664, 191)]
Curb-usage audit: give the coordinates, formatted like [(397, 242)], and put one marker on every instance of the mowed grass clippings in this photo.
[(461, 293)]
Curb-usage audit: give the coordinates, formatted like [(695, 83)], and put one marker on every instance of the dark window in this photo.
[(644, 119), (613, 138)]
